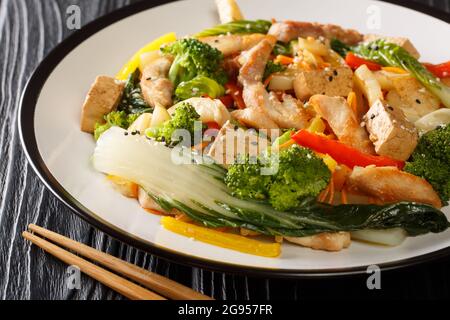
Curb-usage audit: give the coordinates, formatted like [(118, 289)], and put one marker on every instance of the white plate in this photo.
[(60, 153)]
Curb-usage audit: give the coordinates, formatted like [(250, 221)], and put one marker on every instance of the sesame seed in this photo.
[(418, 101)]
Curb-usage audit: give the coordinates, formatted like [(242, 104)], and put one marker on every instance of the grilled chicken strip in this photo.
[(392, 185), (254, 61), (323, 241), (233, 44), (156, 87), (343, 121), (287, 114), (286, 31), (270, 113), (255, 118)]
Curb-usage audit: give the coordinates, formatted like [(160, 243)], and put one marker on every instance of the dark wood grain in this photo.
[(28, 30)]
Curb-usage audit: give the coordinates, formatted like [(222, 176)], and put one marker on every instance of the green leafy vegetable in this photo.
[(237, 27), (194, 58), (341, 48), (184, 118), (272, 67), (298, 174), (198, 87), (115, 118), (389, 54), (199, 191), (431, 160), (132, 100), (284, 49)]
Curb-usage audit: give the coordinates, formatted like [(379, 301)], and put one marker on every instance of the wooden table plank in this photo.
[(29, 29)]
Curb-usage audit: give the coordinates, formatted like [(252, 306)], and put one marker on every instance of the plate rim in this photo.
[(25, 122)]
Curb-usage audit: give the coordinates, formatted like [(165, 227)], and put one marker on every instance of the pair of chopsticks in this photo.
[(162, 287)]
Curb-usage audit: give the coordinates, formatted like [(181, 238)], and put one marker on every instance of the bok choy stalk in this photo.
[(198, 190), (237, 27), (389, 54)]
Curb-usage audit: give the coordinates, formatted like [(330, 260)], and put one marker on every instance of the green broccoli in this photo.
[(184, 118), (198, 87), (246, 181), (431, 160), (194, 58), (299, 174), (115, 118), (271, 68)]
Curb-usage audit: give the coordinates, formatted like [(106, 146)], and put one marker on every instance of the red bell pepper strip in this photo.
[(355, 62), (342, 153), (213, 125), (439, 70), (236, 94)]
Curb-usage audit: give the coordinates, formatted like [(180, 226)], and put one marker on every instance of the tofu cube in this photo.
[(392, 135), (414, 100), (329, 81), (102, 98)]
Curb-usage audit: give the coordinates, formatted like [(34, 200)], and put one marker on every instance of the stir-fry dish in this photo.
[(252, 133)]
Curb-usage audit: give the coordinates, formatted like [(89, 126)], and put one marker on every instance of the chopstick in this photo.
[(124, 287), (153, 281)]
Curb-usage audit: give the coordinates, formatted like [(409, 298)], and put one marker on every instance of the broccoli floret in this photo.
[(246, 181), (431, 160), (194, 58), (184, 118), (198, 87), (115, 118), (301, 174), (298, 174)]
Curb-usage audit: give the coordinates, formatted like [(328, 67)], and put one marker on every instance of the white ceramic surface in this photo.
[(66, 151)]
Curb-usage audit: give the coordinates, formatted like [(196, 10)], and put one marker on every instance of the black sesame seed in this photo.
[(335, 72), (330, 78), (149, 78), (372, 117), (418, 101), (390, 108), (125, 133), (236, 127)]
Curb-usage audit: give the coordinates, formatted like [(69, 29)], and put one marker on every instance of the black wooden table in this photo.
[(29, 29)]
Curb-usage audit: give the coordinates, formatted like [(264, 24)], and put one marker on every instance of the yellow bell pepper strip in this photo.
[(395, 70), (342, 153), (133, 63), (222, 239), (316, 125)]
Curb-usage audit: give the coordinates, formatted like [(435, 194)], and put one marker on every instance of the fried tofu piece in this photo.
[(405, 43), (329, 81), (389, 184), (288, 30), (410, 96), (324, 241), (232, 141), (102, 98), (390, 132), (343, 121)]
